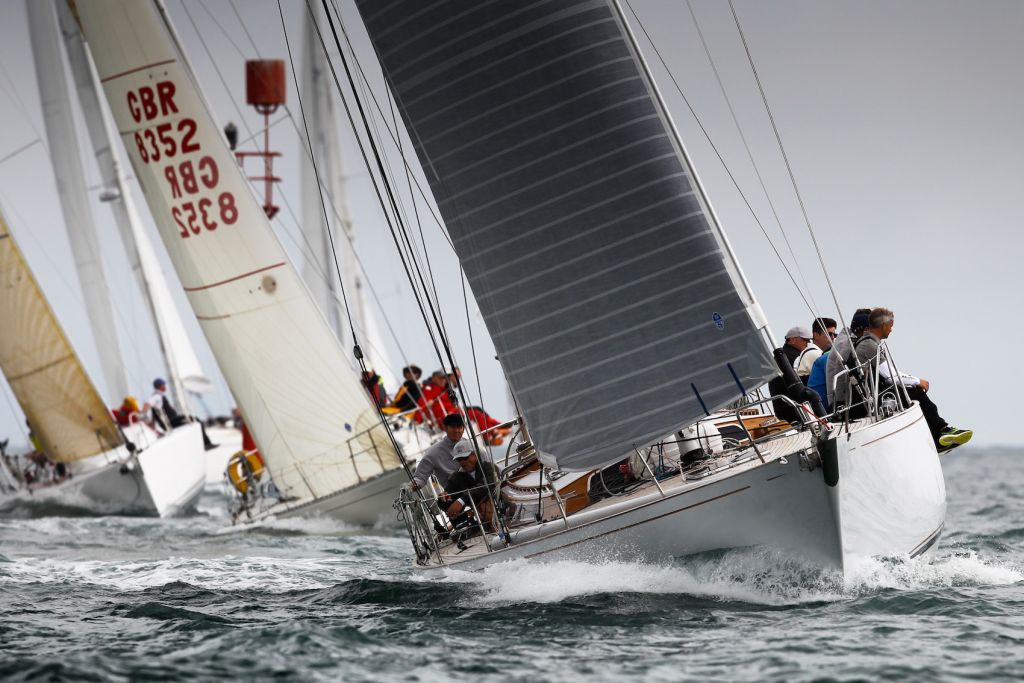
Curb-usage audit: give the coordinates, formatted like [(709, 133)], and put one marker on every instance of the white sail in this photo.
[(183, 365), (62, 405), (295, 388), (319, 269), (71, 189)]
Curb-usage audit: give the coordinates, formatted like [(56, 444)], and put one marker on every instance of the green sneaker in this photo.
[(954, 437)]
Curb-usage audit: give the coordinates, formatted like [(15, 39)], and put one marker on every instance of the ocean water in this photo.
[(90, 597)]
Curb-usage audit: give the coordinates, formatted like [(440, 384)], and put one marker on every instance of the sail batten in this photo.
[(595, 261)]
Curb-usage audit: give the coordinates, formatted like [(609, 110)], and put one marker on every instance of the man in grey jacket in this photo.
[(880, 324), (438, 460)]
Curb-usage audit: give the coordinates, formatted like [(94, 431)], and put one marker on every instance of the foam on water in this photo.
[(309, 526), (229, 573), (751, 575), (957, 569)]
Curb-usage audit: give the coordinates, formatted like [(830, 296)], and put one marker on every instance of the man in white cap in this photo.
[(798, 339), (476, 480)]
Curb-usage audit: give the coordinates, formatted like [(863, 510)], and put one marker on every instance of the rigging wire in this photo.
[(316, 171), (356, 351), (393, 133), (750, 155), (785, 157), (401, 229), (721, 159), (420, 300)]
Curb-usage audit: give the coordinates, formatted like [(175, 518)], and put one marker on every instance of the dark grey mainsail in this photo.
[(577, 219)]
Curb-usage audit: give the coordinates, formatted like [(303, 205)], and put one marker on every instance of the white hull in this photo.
[(889, 500), (367, 504), (166, 477)]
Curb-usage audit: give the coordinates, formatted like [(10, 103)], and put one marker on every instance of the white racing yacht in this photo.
[(131, 469), (620, 316)]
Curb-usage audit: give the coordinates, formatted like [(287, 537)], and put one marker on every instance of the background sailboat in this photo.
[(52, 26), (123, 470), (322, 442)]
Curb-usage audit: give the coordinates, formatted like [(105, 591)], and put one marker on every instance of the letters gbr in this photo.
[(192, 182)]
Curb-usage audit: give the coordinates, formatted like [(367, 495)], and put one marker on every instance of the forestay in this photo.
[(299, 397), (60, 402), (594, 258)]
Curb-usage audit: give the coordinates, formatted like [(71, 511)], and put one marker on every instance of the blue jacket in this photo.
[(816, 380)]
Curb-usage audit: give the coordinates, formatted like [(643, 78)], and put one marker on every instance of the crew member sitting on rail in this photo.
[(435, 397), (409, 394), (129, 408), (475, 484), (375, 386), (880, 324), (166, 417), (485, 424)]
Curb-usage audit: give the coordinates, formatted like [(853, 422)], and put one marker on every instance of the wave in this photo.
[(751, 575)]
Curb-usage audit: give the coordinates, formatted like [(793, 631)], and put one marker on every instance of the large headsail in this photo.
[(182, 363), (298, 394), (615, 310), (73, 194), (60, 402)]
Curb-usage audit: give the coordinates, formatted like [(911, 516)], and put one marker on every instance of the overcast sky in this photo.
[(902, 122)]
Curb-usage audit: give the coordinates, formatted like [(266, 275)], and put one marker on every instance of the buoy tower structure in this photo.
[(265, 89)]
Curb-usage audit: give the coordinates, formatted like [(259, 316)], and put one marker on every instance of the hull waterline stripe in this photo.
[(927, 543), (138, 68), (232, 279)]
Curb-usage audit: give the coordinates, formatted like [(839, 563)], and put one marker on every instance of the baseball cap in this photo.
[(463, 449), (799, 331), (159, 382)]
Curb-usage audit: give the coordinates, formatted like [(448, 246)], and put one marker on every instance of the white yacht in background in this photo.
[(325, 448), (131, 469)]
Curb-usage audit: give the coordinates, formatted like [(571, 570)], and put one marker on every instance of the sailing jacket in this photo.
[(465, 485), (436, 461)]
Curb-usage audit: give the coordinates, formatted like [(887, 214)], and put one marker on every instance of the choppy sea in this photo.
[(89, 597)]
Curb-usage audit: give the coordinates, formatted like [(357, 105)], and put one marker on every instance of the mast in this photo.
[(183, 368), (74, 198)]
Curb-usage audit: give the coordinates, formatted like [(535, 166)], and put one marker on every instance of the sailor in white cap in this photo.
[(476, 480), (798, 340)]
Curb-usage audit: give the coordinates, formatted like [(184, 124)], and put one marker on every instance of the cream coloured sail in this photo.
[(298, 394), (73, 194), (182, 363), (58, 398)]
